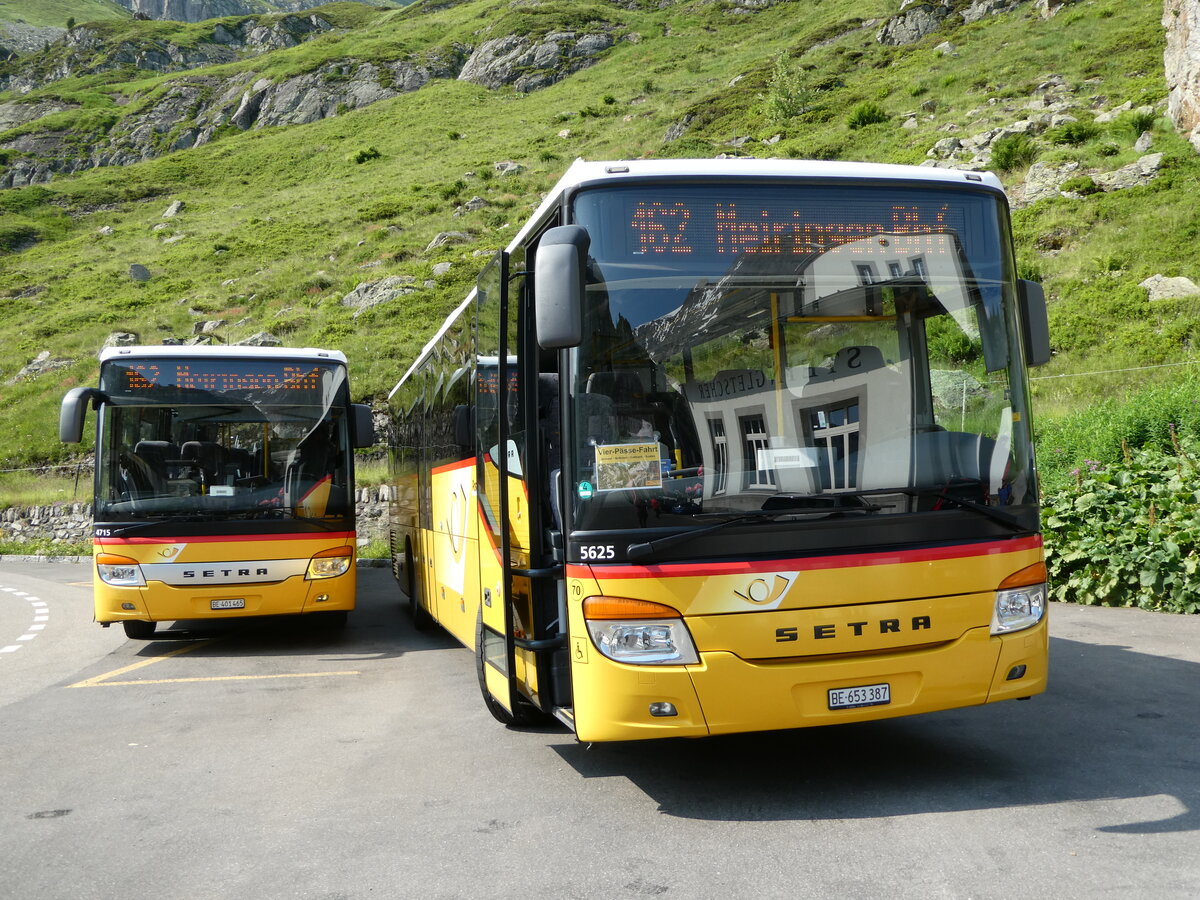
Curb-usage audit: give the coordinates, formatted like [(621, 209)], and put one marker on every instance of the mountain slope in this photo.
[(282, 224)]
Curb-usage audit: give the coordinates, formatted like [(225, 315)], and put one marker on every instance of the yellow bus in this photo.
[(224, 483), (718, 446)]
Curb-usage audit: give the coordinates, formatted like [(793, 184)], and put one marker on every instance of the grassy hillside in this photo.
[(57, 12), (280, 223)]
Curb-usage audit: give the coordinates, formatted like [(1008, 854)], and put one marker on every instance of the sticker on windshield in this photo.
[(624, 466), (585, 490)]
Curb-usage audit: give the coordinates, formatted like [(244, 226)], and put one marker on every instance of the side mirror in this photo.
[(1035, 324), (558, 286), (364, 425), (74, 408)]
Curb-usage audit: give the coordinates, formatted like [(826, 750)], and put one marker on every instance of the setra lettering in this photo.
[(830, 631)]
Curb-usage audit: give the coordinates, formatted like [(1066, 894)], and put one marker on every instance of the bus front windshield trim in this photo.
[(764, 346)]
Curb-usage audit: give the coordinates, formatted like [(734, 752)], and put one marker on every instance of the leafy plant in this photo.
[(868, 112), (1073, 133), (1080, 184), (1013, 151), (788, 93), (1126, 533)]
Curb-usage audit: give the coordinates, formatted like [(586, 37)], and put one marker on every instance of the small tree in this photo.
[(788, 94), (71, 24)]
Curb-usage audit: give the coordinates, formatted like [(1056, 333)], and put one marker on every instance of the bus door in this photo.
[(512, 642)]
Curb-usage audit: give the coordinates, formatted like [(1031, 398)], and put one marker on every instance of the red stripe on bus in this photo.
[(450, 467), (804, 564), (226, 539)]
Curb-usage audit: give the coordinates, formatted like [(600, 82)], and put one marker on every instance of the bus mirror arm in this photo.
[(558, 286), (364, 425), (74, 408), (1035, 324)]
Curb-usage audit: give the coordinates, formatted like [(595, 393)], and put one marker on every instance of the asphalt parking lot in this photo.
[(271, 758)]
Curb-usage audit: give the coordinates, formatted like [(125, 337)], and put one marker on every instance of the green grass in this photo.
[(57, 12)]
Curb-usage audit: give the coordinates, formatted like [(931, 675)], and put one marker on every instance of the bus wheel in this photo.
[(138, 630), (523, 712), (422, 620)]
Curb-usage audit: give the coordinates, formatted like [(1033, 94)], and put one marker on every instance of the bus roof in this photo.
[(176, 351), (586, 174)]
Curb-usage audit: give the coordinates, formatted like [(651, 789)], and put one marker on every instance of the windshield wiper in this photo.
[(990, 512), (647, 548)]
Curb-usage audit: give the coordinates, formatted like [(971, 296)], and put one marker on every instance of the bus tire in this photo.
[(523, 712), (137, 630), (422, 620)]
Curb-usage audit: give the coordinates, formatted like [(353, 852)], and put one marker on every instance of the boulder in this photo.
[(1160, 287)]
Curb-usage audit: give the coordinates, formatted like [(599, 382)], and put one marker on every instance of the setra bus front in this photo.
[(223, 485), (798, 482)]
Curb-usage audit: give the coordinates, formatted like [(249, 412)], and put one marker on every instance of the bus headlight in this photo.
[(639, 632), (119, 571), (1020, 600), (330, 563)]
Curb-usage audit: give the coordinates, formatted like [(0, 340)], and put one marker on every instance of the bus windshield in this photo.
[(222, 439), (796, 349)]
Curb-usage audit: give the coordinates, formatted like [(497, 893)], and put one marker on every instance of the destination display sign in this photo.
[(711, 227), (246, 377)]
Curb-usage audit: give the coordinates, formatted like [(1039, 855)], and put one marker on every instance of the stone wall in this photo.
[(71, 523)]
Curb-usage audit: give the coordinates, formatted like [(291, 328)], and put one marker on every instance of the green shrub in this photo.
[(1080, 184), (1137, 122), (1013, 151), (787, 94), (362, 155), (1126, 533), (866, 113), (1073, 133)]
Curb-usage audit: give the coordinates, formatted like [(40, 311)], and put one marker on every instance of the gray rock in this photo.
[(121, 339), (1042, 181), (40, 364), (949, 387), (261, 339), (448, 237), (173, 210), (912, 24), (1160, 287), (1140, 172), (529, 64), (139, 272), (369, 294)]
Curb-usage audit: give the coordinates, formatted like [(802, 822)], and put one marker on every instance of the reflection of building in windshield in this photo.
[(802, 414)]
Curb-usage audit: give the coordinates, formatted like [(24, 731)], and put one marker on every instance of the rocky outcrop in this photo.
[(84, 52), (529, 64), (200, 10), (917, 20), (1181, 62), (189, 112), (17, 38)]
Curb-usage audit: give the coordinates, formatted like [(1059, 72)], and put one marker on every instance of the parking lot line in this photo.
[(105, 680)]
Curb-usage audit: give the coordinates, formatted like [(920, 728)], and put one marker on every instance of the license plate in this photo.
[(229, 604), (863, 695)]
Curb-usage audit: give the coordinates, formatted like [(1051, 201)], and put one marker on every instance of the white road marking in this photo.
[(41, 615)]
